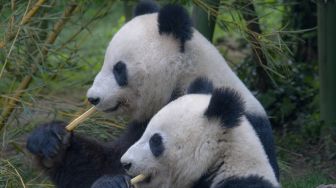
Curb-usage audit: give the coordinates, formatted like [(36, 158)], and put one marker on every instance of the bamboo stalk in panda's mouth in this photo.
[(137, 179), (72, 125)]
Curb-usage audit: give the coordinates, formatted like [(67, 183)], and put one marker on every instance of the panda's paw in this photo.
[(118, 181), (47, 140)]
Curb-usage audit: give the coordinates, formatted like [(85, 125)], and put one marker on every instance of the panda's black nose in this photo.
[(127, 166), (94, 101)]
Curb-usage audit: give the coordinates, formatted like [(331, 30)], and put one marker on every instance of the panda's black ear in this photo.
[(146, 7), (175, 20), (201, 85), (227, 105)]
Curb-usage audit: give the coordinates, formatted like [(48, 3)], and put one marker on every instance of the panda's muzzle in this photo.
[(113, 108)]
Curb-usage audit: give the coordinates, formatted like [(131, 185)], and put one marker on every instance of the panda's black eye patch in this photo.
[(120, 73), (156, 145)]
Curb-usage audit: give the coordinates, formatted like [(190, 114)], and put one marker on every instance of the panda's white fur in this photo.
[(156, 67), (195, 145)]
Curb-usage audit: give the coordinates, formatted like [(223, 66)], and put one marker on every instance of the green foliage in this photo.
[(311, 180), (269, 41), (292, 101), (293, 104), (58, 88)]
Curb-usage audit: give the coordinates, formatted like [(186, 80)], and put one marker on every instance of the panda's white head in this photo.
[(181, 142), (142, 62)]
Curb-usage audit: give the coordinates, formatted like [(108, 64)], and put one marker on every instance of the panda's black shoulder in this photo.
[(246, 182)]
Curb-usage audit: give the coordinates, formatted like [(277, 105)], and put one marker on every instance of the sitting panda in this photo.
[(149, 62), (199, 141)]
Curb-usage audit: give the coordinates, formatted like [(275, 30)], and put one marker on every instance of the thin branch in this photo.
[(32, 12), (25, 19), (16, 173), (12, 46), (252, 21)]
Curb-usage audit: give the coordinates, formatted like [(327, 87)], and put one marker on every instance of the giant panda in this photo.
[(149, 62), (199, 141)]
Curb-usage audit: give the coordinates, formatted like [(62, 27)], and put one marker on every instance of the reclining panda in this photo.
[(150, 61), (198, 141)]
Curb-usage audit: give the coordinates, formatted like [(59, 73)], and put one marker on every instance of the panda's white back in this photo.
[(244, 156), (212, 65)]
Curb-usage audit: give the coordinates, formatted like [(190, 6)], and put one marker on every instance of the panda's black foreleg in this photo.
[(118, 181), (84, 162), (72, 160), (245, 182), (69, 159)]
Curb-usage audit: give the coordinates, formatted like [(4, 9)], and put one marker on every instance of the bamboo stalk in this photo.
[(80, 119), (12, 19), (10, 23), (2, 44), (8, 109), (32, 12), (13, 101), (60, 24), (137, 179)]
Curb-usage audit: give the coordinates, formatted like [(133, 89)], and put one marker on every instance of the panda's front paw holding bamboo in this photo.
[(48, 141), (119, 181)]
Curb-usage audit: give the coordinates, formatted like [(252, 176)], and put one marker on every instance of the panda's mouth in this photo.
[(113, 108), (148, 179)]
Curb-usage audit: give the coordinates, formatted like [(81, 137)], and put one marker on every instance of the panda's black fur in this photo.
[(120, 73), (201, 85), (233, 182), (218, 107), (156, 146), (250, 181), (174, 20)]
